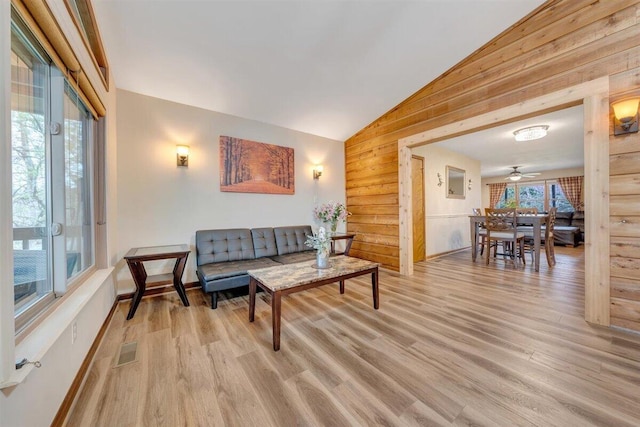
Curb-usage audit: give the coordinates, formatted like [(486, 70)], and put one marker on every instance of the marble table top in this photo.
[(301, 273)]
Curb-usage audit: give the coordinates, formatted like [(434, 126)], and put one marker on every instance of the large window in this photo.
[(542, 195), (51, 185)]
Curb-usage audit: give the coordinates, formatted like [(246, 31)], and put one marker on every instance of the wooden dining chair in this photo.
[(526, 211), (548, 239), (501, 226), (482, 232)]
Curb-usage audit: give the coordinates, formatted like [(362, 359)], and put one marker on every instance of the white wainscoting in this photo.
[(447, 232)]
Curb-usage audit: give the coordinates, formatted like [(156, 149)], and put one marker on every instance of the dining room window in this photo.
[(542, 195)]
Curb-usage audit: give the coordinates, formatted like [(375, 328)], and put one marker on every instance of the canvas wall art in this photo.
[(255, 167)]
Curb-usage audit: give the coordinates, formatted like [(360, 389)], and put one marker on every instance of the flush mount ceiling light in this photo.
[(530, 133)]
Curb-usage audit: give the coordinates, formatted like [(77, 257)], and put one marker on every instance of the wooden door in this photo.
[(417, 197)]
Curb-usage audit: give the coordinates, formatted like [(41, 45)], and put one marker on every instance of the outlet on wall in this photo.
[(74, 332)]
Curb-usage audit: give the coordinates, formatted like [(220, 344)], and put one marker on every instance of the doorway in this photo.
[(594, 95)]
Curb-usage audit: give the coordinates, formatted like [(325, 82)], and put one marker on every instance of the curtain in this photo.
[(496, 191), (572, 189)]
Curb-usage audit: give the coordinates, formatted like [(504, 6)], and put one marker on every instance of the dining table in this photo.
[(536, 221)]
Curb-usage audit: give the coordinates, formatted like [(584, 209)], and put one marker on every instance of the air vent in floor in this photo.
[(128, 353)]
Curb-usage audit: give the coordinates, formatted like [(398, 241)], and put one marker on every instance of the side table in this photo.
[(342, 236), (137, 256)]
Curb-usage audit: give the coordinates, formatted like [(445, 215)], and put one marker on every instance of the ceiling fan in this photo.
[(516, 175)]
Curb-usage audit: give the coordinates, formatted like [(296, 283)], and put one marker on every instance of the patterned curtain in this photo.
[(572, 189), (496, 191)]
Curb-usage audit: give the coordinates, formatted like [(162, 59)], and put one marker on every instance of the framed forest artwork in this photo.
[(255, 167)]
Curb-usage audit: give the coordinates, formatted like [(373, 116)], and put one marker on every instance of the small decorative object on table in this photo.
[(331, 213), (321, 242)]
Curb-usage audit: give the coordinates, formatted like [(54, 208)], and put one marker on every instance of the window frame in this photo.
[(546, 183), (54, 94)]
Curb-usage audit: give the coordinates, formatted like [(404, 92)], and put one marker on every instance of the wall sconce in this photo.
[(469, 186), (182, 155), (317, 171), (626, 116), (439, 180)]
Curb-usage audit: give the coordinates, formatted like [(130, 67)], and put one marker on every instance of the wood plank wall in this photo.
[(561, 44), (624, 210)]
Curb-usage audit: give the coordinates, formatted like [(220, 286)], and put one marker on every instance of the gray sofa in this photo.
[(567, 231), (223, 256)]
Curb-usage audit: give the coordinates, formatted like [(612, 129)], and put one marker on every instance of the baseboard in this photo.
[(67, 402), (447, 253)]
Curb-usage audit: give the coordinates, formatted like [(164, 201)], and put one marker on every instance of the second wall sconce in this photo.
[(182, 155), (626, 116), (439, 180), (317, 171), (469, 186)]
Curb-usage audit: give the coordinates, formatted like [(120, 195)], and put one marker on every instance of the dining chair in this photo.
[(501, 226), (482, 232), (526, 211), (548, 239)]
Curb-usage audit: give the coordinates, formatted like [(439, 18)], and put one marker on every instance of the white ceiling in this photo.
[(497, 150), (328, 68)]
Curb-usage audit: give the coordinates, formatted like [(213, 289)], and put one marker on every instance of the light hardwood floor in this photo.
[(455, 344)]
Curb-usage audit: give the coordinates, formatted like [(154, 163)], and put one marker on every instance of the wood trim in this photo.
[(405, 211), (595, 96), (41, 22), (596, 196), (68, 400)]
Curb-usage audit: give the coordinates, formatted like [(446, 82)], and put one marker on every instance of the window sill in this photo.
[(38, 341)]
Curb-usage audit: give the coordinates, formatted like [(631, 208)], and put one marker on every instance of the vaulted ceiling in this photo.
[(328, 68)]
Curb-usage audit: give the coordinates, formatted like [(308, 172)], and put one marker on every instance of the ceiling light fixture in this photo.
[(530, 133), (515, 177)]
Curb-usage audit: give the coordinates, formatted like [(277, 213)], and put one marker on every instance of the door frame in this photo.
[(594, 96)]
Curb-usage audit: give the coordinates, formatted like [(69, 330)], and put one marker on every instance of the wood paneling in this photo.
[(561, 45)]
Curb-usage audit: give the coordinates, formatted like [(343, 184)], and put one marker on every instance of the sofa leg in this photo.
[(214, 300)]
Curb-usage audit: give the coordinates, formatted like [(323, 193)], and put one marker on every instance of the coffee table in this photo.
[(290, 278)]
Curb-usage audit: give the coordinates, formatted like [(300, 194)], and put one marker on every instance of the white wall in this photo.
[(553, 174), (160, 203), (447, 220)]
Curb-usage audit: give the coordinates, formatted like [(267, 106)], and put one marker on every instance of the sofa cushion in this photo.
[(295, 257), (264, 242), (221, 270), (564, 218), (232, 244), (291, 239)]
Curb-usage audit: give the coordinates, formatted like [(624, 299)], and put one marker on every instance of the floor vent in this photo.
[(128, 354)]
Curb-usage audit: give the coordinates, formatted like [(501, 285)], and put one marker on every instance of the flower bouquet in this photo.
[(331, 213), (321, 242)]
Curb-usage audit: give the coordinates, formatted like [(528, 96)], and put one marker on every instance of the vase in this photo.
[(334, 227), (322, 258)]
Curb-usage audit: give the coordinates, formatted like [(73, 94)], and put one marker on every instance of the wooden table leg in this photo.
[(474, 240), (140, 278), (374, 285), (252, 298), (275, 318), (536, 245), (177, 279), (342, 286)]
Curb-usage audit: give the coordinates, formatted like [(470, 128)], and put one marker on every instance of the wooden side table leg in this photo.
[(348, 246), (177, 279), (252, 299), (139, 277), (275, 319), (374, 285), (342, 286)]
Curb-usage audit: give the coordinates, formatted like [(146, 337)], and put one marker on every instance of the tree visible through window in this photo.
[(540, 195)]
